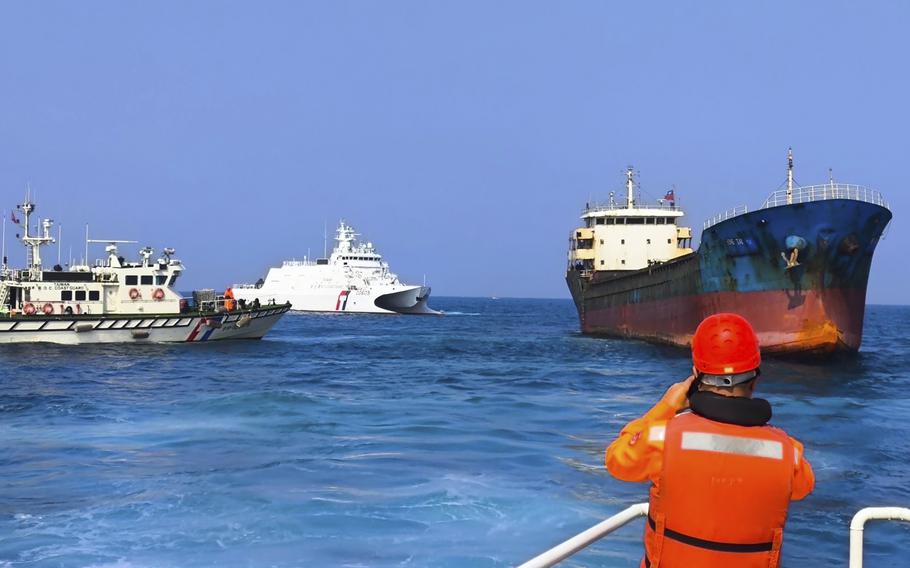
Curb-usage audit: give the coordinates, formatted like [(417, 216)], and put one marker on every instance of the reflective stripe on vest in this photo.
[(732, 445)]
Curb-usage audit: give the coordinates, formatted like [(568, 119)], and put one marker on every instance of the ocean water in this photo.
[(474, 439)]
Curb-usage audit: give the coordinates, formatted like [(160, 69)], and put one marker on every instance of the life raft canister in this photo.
[(29, 309), (158, 294), (47, 309), (134, 293), (723, 495)]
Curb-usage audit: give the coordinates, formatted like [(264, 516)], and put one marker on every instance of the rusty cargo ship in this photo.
[(797, 267)]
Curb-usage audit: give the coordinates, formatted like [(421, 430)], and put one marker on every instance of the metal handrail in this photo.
[(827, 191), (867, 514), (623, 206), (723, 216), (582, 540), (824, 192), (806, 194)]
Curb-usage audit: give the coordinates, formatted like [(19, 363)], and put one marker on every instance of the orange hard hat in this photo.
[(725, 344)]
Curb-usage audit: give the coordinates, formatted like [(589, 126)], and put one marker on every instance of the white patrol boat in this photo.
[(116, 301), (354, 279)]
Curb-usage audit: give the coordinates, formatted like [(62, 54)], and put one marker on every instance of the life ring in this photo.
[(29, 309), (134, 294), (158, 294), (47, 309)]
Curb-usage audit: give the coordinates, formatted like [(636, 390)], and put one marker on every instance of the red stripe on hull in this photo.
[(819, 322)]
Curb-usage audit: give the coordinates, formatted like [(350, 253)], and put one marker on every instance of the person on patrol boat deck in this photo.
[(721, 477)]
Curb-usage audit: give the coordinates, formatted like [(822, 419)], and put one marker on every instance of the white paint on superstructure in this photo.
[(626, 236)]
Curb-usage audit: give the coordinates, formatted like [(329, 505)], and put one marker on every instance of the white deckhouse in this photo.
[(627, 236)]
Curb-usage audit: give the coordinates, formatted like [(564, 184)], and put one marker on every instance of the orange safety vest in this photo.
[(722, 496)]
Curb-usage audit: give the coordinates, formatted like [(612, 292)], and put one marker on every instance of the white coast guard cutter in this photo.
[(354, 279), (115, 301)]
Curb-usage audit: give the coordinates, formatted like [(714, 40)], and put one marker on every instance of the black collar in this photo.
[(739, 410)]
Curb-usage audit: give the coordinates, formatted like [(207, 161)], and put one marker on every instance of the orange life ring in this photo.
[(158, 294), (134, 294), (29, 309), (47, 309)]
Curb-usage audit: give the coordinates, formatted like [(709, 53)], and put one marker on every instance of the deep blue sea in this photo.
[(474, 439)]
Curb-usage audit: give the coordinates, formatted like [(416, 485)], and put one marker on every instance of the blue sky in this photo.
[(462, 138)]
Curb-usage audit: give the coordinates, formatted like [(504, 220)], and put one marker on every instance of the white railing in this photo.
[(867, 514), (807, 194), (621, 205), (824, 192), (584, 539), (728, 214)]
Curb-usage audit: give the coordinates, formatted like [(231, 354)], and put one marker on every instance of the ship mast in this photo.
[(33, 243), (789, 176), (630, 186)]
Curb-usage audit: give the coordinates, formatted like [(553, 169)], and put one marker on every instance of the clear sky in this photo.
[(462, 138)]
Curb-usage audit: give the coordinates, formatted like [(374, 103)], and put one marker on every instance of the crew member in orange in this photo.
[(229, 299), (721, 477)]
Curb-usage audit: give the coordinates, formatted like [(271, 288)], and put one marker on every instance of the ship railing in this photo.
[(724, 215), (621, 205), (588, 537), (824, 192)]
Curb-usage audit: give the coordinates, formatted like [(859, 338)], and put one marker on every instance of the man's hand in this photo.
[(676, 394)]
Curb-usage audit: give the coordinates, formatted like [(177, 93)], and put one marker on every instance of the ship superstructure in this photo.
[(113, 300), (796, 268), (353, 279), (623, 236)]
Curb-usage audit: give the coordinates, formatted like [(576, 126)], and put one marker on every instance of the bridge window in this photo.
[(650, 221), (611, 221), (635, 221), (132, 280), (160, 279), (66, 296), (80, 295), (94, 295), (146, 279)]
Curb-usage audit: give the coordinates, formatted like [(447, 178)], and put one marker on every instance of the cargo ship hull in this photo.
[(813, 307)]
